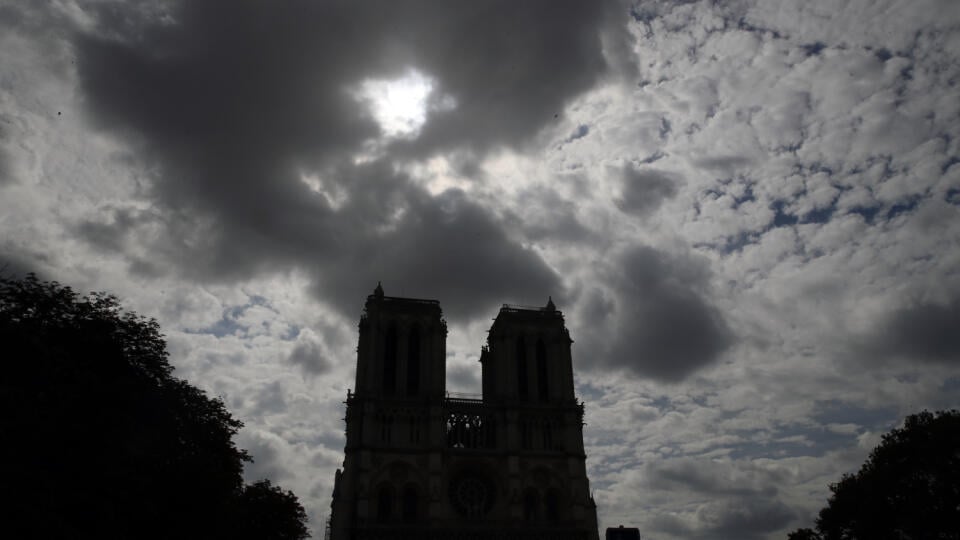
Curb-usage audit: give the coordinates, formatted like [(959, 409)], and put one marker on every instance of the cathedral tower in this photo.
[(402, 350), (421, 464), (527, 359)]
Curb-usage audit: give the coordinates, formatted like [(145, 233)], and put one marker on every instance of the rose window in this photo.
[(471, 495)]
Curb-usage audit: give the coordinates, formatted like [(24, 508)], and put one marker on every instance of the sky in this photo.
[(746, 210)]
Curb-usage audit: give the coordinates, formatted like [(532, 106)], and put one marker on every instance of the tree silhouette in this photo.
[(100, 440), (264, 511), (909, 487)]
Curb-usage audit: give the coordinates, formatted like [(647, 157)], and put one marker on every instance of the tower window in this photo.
[(547, 435), (522, 386), (386, 428), (543, 384), (531, 503), (385, 503), (390, 361), (410, 503), (414, 429), (553, 504), (413, 362)]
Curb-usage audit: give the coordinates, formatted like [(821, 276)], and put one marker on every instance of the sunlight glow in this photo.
[(401, 105)]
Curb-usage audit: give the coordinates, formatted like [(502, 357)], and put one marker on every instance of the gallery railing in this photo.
[(455, 534)]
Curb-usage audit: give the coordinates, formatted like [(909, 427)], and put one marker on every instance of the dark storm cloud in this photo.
[(309, 356), (17, 259), (6, 170), (6, 175), (744, 500), (446, 247), (724, 164), (745, 519), (271, 78), (644, 189), (714, 481), (511, 66), (926, 331), (109, 233), (15, 266), (230, 104), (665, 326), (546, 216)]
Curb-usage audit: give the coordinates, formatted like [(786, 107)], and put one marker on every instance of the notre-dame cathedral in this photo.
[(422, 464)]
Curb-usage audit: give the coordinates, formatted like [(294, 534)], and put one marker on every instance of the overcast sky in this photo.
[(747, 211)]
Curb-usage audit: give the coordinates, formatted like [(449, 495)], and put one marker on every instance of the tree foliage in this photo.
[(909, 487), (803, 534), (101, 440), (263, 513)]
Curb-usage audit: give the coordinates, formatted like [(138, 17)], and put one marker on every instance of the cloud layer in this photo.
[(746, 210)]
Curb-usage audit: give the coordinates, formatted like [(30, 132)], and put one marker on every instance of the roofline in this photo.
[(402, 299)]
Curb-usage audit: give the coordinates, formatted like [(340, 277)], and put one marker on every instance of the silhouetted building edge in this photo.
[(623, 533), (420, 463)]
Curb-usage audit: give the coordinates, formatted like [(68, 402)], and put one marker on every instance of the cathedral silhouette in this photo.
[(421, 463)]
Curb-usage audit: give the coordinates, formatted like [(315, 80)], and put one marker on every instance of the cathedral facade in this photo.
[(423, 464)]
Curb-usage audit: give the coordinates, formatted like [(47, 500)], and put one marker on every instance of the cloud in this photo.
[(791, 179), (926, 331), (189, 81), (710, 498), (231, 124), (463, 378), (269, 399), (6, 170), (17, 259), (746, 519), (267, 461), (543, 215), (525, 64), (449, 248), (308, 353), (713, 478), (110, 230), (663, 325), (643, 189), (13, 265)]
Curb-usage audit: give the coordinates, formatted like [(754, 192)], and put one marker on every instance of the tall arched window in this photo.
[(522, 386), (531, 502), (410, 509), (413, 361), (547, 428), (543, 384), (385, 503), (390, 361), (553, 504)]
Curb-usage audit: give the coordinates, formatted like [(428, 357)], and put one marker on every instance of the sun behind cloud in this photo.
[(400, 106)]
